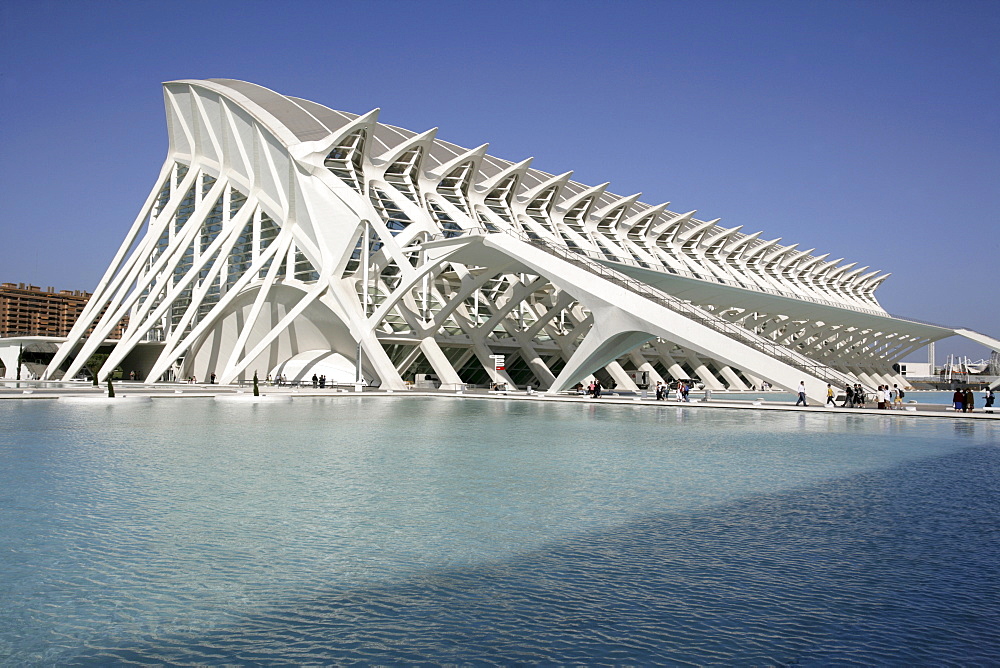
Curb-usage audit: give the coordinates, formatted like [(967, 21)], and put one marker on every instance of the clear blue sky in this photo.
[(868, 130)]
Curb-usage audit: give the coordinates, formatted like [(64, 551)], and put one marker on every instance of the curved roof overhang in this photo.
[(795, 308)]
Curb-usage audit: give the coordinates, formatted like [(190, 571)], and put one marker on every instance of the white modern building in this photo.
[(283, 237)]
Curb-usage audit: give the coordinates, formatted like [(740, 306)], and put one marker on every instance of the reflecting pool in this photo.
[(456, 530)]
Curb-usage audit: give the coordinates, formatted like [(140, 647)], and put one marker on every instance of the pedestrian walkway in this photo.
[(41, 390)]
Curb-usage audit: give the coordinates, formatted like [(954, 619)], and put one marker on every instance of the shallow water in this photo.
[(448, 530)]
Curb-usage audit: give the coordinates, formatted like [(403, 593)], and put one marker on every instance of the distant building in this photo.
[(918, 369), (27, 310), (34, 322)]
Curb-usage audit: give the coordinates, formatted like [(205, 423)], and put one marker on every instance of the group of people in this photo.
[(964, 401), (886, 398), (891, 398), (281, 379), (663, 391), (854, 396)]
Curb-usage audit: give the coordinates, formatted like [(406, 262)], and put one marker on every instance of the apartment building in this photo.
[(27, 310)]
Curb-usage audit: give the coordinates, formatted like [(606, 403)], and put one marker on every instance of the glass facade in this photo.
[(456, 184), (402, 174), (391, 214), (345, 161), (448, 226)]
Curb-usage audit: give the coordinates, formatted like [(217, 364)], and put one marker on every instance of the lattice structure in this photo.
[(281, 235)]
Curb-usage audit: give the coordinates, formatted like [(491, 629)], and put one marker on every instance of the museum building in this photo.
[(282, 237)]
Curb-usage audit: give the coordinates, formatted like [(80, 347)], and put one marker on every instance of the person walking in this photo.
[(968, 401), (848, 397), (802, 394), (989, 397), (829, 396)]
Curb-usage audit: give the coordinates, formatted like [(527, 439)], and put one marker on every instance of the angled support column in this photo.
[(340, 299), (879, 377), (867, 380), (537, 365), (981, 339), (706, 375), (483, 353), (642, 364), (899, 379), (600, 344), (733, 380), (620, 376), (675, 370), (462, 360), (439, 362)]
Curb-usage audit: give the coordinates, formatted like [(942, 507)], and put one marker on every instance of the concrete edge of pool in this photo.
[(129, 394)]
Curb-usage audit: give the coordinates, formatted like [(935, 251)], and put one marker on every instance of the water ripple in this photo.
[(723, 587), (789, 554)]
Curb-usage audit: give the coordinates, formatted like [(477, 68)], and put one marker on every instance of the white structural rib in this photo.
[(279, 229)]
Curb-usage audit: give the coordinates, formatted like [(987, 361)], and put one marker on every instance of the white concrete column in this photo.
[(734, 381), (868, 381), (706, 375), (537, 365), (879, 377), (897, 378), (643, 365), (462, 360), (675, 370), (8, 354), (439, 362), (483, 355), (596, 347), (620, 377)]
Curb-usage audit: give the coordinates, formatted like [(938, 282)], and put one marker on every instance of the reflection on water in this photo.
[(456, 530)]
